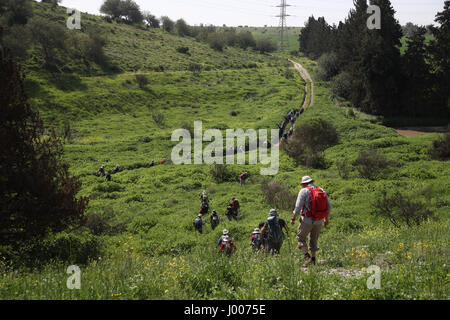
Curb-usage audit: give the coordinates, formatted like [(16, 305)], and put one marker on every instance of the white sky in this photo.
[(263, 12)]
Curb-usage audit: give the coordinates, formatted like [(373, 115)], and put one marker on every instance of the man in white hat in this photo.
[(314, 206), (256, 241), (224, 234)]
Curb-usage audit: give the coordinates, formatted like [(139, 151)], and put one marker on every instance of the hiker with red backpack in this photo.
[(235, 206), (314, 206), (243, 177)]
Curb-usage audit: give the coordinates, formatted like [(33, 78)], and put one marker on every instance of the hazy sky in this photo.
[(263, 12)]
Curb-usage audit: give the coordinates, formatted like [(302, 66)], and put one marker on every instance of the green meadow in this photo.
[(139, 241)]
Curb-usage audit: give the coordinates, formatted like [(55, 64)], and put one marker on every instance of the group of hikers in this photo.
[(231, 213), (312, 205), (107, 175), (290, 119)]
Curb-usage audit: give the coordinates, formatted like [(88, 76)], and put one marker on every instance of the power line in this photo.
[(284, 38)]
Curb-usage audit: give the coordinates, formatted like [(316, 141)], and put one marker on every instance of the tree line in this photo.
[(128, 11), (53, 45), (367, 68)]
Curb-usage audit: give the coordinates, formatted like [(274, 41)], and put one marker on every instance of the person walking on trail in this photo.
[(230, 213), (256, 242), (243, 177), (204, 197), (235, 206), (199, 223), (227, 246), (214, 219), (314, 207), (101, 171), (204, 208), (274, 229), (224, 234)]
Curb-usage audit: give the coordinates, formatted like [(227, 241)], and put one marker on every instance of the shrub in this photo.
[(328, 66), (265, 45), (151, 20), (183, 50), (400, 208), (216, 41), (97, 224), (245, 40), (310, 139), (371, 164), (278, 195), (182, 28), (440, 149), (341, 85), (159, 119), (220, 173), (344, 168), (167, 24), (195, 68), (142, 80), (316, 161)]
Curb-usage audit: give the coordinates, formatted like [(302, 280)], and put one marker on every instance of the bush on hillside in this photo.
[(265, 46), (371, 164), (309, 140), (220, 173), (159, 119), (142, 80), (344, 168), (216, 41), (440, 148), (341, 85), (328, 66), (182, 28), (167, 24), (183, 50), (278, 195), (400, 208), (151, 20)]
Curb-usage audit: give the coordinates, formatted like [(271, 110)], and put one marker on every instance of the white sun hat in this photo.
[(307, 179)]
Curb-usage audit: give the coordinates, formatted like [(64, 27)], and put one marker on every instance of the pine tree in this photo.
[(417, 76), (439, 50), (380, 63), (37, 193)]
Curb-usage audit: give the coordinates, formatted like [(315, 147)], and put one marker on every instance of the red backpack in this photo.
[(319, 201)]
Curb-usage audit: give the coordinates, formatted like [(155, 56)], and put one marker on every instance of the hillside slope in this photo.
[(139, 242)]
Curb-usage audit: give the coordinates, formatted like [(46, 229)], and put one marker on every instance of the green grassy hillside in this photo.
[(140, 242)]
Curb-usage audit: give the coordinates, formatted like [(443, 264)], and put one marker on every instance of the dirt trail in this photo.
[(419, 131), (309, 83)]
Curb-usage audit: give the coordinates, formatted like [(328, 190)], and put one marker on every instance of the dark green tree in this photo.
[(439, 50), (167, 24), (112, 8), (417, 85), (37, 193), (15, 12)]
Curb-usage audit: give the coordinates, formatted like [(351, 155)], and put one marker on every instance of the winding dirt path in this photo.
[(309, 83)]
